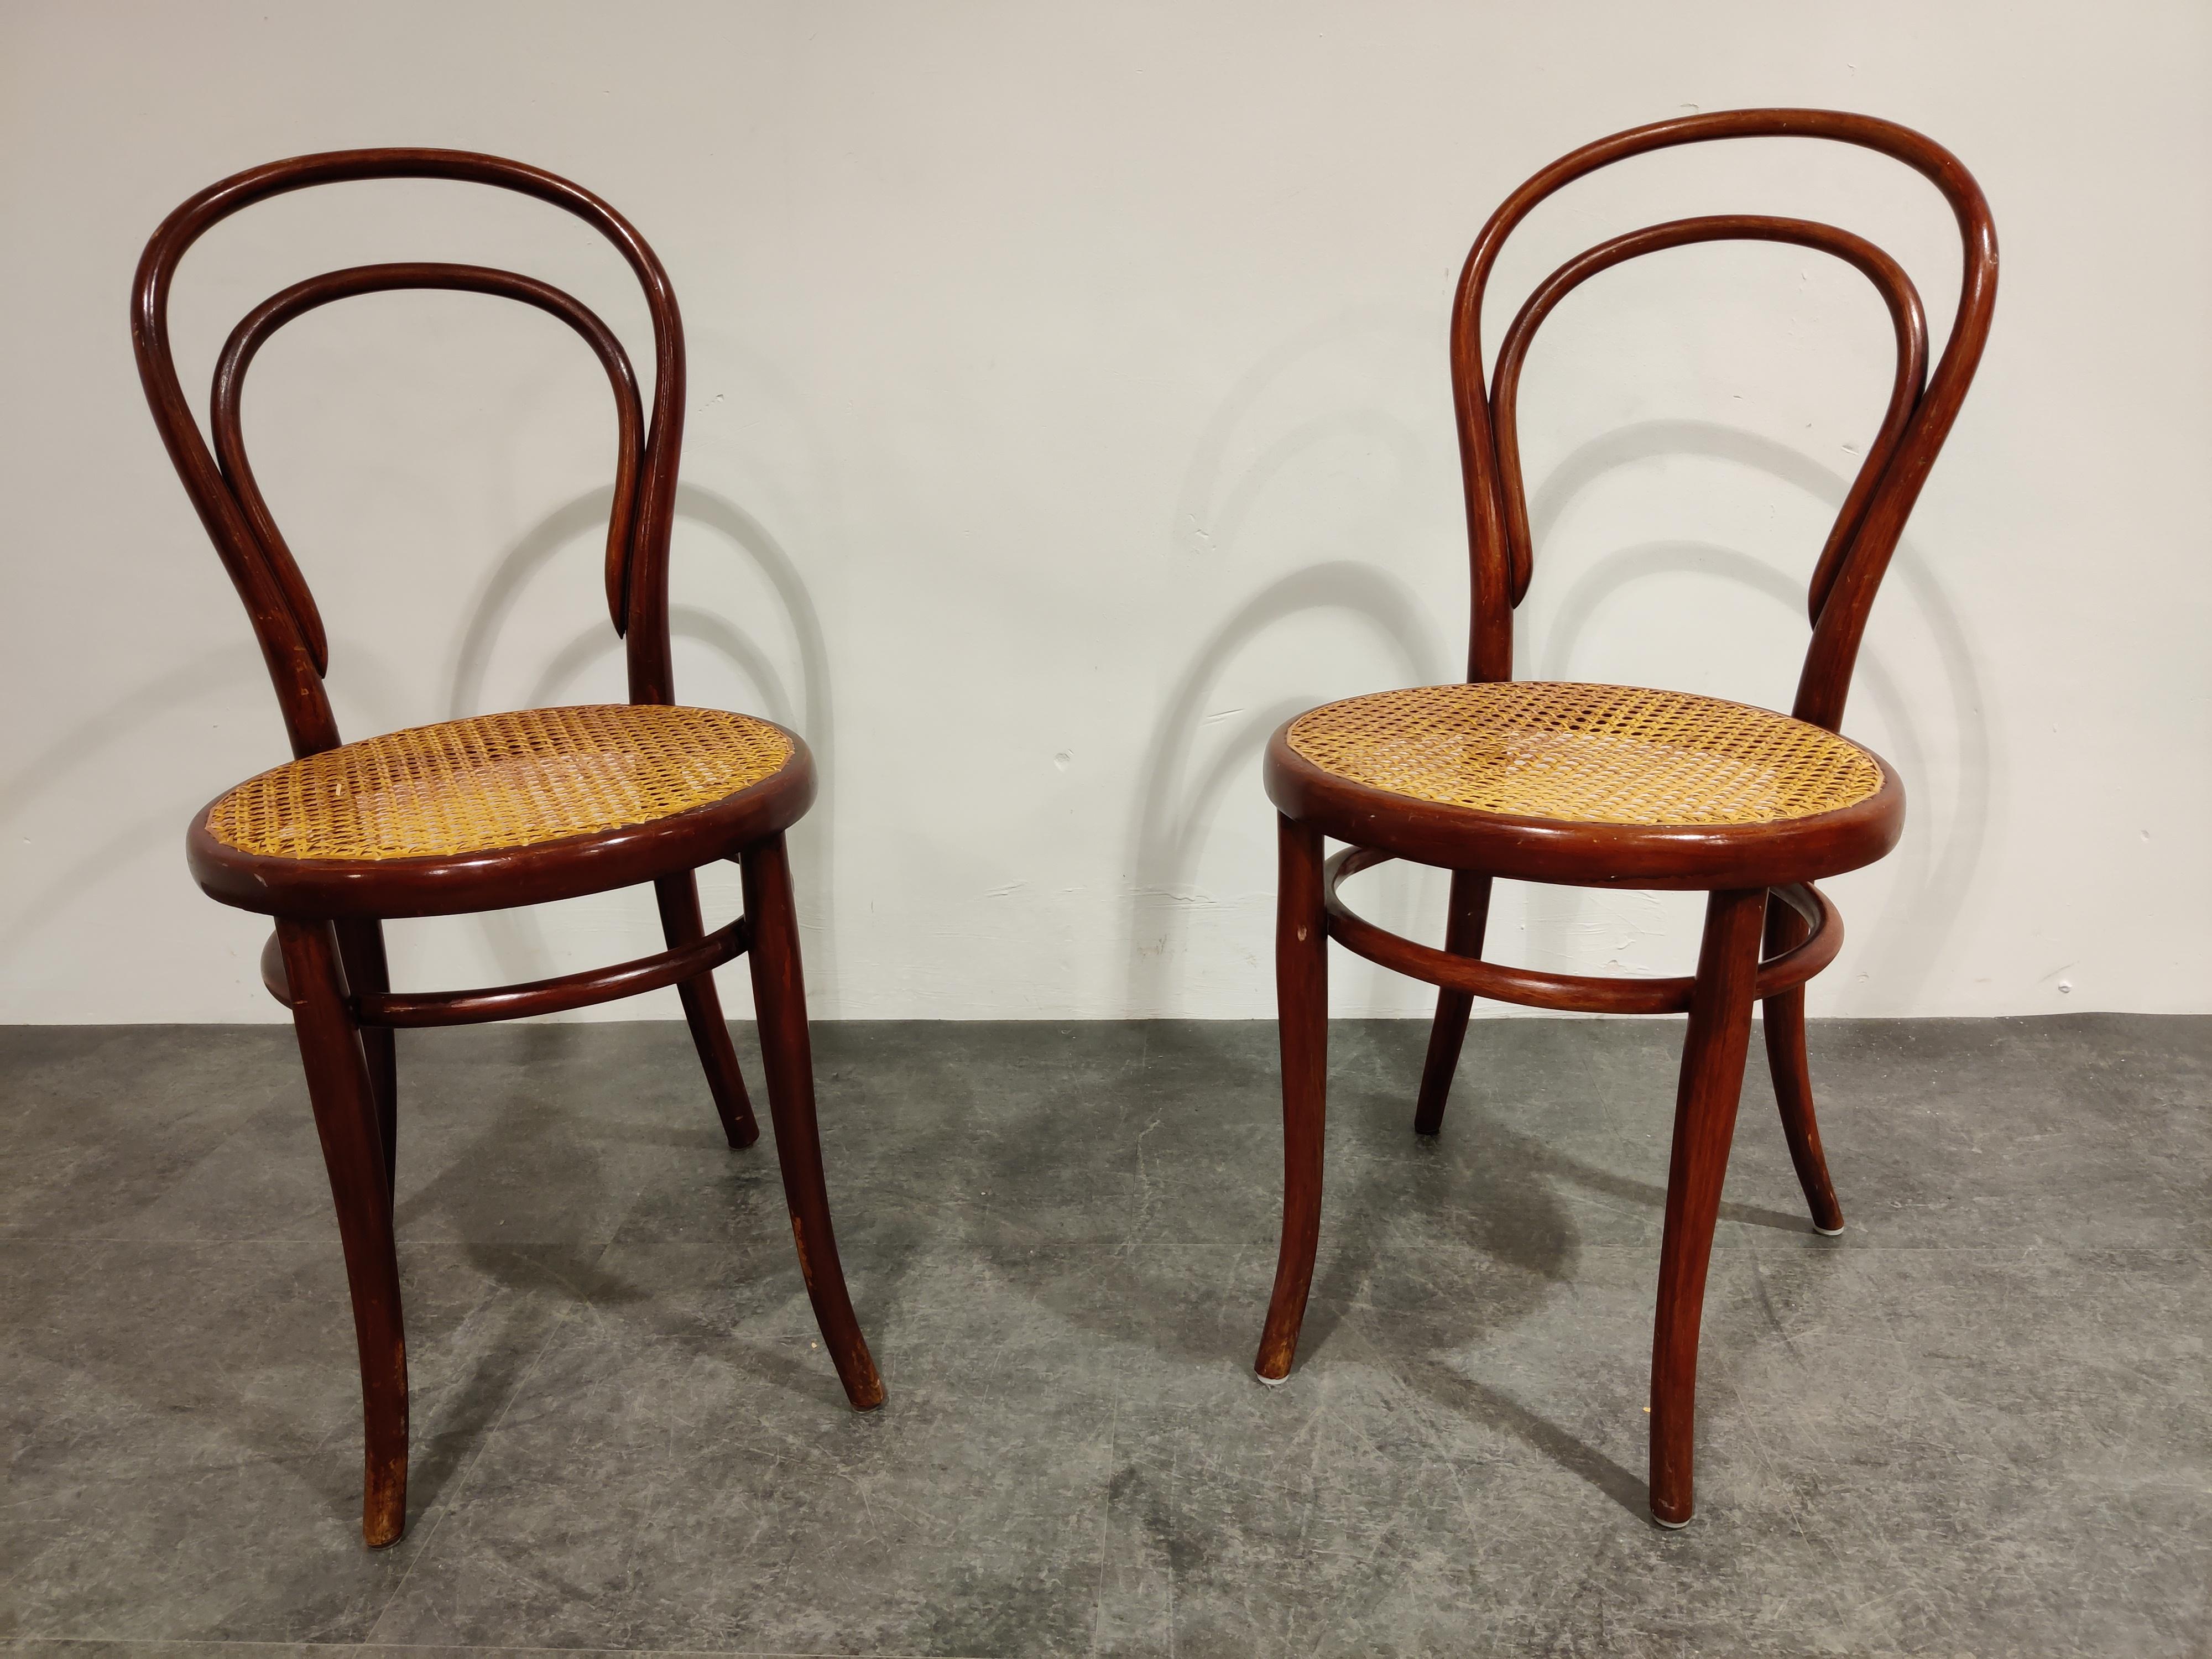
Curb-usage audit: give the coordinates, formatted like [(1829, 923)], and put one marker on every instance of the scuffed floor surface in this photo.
[(1975, 1423)]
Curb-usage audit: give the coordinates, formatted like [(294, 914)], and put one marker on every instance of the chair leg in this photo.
[(1705, 1122), (681, 922), (1302, 1019), (1793, 1079), (1463, 930), (786, 1055), (360, 950), (345, 1107)]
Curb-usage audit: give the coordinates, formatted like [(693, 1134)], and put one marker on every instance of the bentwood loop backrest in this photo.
[(221, 484), (1921, 406)]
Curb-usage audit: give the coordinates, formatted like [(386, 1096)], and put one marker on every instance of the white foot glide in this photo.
[(1827, 1232), (1272, 1382), (1671, 1526)]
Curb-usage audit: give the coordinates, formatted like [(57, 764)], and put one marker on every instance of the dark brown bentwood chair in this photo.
[(493, 811), (1609, 786)]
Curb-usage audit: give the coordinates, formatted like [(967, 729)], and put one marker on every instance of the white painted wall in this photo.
[(1068, 405)]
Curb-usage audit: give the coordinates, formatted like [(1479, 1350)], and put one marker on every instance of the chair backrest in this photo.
[(221, 484), (1921, 406)]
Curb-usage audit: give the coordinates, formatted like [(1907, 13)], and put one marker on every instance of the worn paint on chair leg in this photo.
[(786, 1055), (1463, 929), (1704, 1123), (1784, 1019), (1302, 1019), (345, 1107), (681, 922)]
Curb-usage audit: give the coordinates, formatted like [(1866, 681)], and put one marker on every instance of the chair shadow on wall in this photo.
[(1177, 806), (158, 824), (515, 938)]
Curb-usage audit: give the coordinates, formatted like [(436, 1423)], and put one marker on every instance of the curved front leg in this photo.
[(1704, 1124), (787, 1056), (1302, 1019), (345, 1107)]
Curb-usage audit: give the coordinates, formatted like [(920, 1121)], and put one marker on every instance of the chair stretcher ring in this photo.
[(1566, 993)]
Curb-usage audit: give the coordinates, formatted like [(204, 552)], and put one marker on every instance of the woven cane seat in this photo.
[(498, 781), (1587, 754)]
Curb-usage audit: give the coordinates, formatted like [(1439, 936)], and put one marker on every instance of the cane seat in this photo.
[(1596, 754), (1550, 761), (460, 793)]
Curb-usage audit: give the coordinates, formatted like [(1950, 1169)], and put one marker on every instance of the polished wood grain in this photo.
[(1782, 1019), (1760, 875), (786, 1055), (1810, 951), (682, 925), (1704, 1124), (367, 974), (345, 1110), (326, 962), (679, 964), (1465, 922), (1301, 998)]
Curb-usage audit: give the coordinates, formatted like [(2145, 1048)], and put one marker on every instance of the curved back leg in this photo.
[(788, 1057), (345, 1109), (1793, 1079), (1463, 931), (360, 950), (681, 922)]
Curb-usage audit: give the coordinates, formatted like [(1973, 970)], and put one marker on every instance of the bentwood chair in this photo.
[(491, 811), (1618, 786)]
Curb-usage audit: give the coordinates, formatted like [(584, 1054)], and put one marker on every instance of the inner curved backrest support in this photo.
[(1887, 276), (273, 313), (229, 501), (1921, 406)]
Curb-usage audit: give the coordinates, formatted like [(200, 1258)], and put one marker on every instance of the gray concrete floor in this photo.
[(1974, 1424)]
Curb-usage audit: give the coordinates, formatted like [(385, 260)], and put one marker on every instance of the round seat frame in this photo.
[(1699, 857), (541, 872)]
